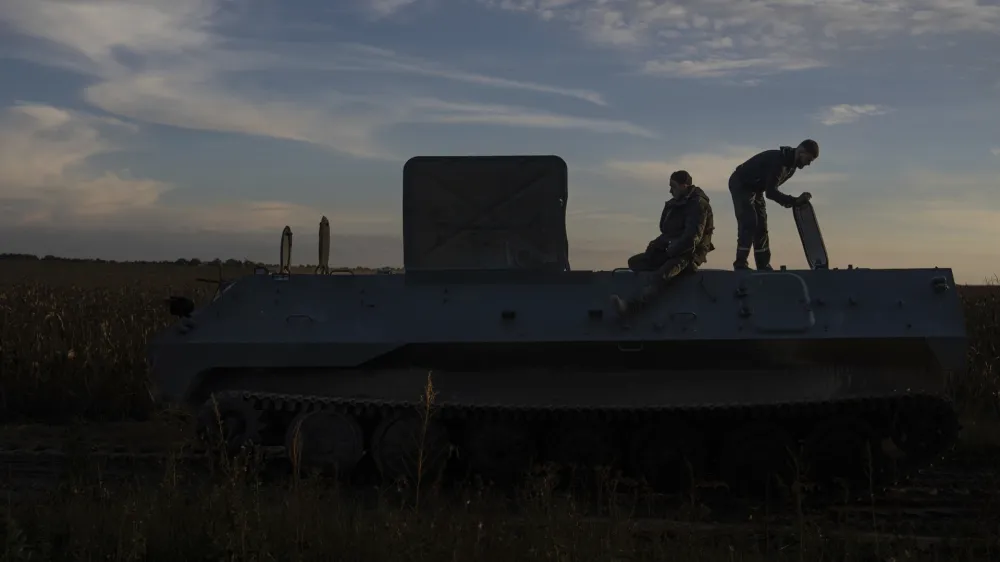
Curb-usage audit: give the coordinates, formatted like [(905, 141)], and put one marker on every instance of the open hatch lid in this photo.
[(812, 237)]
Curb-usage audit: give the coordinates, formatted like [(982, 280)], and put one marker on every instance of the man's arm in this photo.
[(663, 217), (695, 219), (771, 174)]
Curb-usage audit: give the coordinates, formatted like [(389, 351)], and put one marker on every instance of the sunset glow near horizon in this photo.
[(199, 128)]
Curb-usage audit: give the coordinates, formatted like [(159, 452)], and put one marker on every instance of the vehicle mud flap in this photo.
[(811, 236)]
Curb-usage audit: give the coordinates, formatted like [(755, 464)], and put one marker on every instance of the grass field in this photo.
[(72, 344)]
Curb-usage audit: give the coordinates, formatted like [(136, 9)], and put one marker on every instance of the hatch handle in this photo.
[(630, 347), (939, 284), (292, 317)]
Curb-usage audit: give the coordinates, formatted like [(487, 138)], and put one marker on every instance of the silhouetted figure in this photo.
[(685, 239), (760, 177)]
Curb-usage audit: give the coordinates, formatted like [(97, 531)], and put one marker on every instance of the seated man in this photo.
[(685, 239)]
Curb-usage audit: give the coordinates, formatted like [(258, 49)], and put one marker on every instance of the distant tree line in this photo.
[(180, 261)]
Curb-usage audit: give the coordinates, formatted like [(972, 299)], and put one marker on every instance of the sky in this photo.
[(157, 129)]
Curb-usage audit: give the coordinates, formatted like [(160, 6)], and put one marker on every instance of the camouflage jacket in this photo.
[(686, 227)]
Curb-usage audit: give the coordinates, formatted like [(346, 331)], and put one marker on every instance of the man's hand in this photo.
[(657, 244), (803, 199)]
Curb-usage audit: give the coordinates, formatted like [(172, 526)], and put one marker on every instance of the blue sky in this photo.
[(201, 127)]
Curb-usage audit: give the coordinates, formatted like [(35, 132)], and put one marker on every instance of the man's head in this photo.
[(805, 153), (680, 183)]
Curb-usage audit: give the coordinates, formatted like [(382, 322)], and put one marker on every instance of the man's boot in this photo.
[(742, 255), (763, 260), (620, 305), (626, 308)]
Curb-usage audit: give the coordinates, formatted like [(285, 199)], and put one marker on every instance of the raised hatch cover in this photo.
[(485, 212), (812, 237)]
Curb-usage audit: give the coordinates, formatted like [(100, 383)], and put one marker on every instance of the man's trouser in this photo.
[(645, 262), (751, 226), (664, 274)]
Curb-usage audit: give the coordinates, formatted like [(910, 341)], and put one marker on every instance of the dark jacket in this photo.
[(765, 172), (686, 227)]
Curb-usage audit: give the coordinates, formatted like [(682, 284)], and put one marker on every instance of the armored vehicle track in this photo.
[(745, 445)]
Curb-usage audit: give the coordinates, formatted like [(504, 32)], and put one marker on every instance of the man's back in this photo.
[(776, 165)]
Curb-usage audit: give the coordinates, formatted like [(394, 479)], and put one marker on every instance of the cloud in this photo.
[(354, 57), (48, 177), (90, 32), (710, 170), (718, 38), (179, 69), (961, 224), (385, 8), (44, 169), (94, 30), (344, 123), (843, 114), (723, 67), (995, 150), (437, 111), (350, 124)]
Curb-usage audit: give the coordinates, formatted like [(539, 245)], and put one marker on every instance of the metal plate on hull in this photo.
[(485, 212)]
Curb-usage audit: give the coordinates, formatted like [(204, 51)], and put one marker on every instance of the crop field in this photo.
[(73, 374)]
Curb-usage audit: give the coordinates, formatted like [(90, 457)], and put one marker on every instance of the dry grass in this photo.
[(73, 338), (236, 518), (978, 392), (74, 335)]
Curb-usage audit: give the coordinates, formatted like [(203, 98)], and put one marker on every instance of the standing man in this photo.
[(685, 239), (756, 178)]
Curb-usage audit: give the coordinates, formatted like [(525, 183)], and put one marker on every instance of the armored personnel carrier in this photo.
[(491, 350)]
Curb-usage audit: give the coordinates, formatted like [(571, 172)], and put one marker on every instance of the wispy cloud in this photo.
[(365, 58), (44, 169), (725, 37), (385, 8), (437, 111), (87, 33), (180, 77), (723, 67), (710, 170), (48, 176), (844, 113), (349, 124), (995, 150), (344, 123)]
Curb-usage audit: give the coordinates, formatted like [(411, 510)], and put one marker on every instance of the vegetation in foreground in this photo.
[(73, 338), (232, 514), (298, 525), (236, 518)]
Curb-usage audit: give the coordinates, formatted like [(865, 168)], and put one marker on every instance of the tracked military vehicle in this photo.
[(521, 358)]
